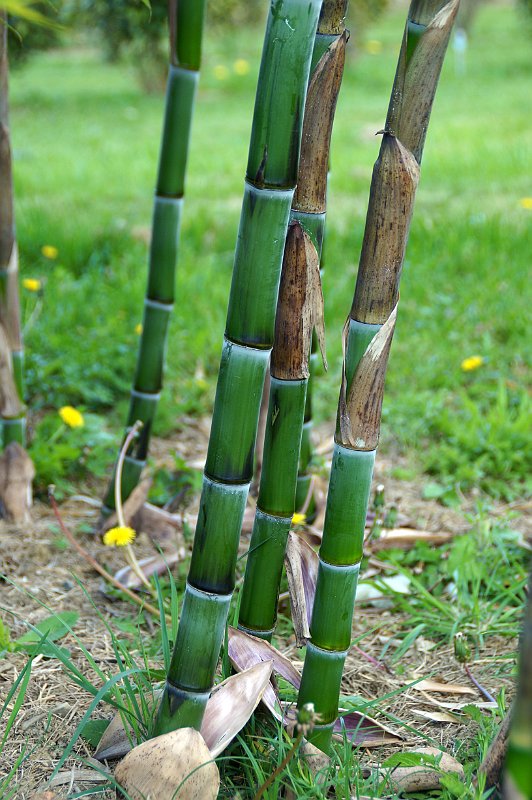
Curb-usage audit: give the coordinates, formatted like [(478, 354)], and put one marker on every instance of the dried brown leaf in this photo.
[(430, 685), (10, 405), (457, 706), (407, 537), (245, 651), (152, 565), (158, 767), (364, 731), (301, 563), (231, 705), (9, 302), (116, 741), (436, 716), (71, 776)]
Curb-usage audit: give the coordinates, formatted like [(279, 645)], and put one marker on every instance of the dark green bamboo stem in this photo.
[(367, 342), (13, 413), (270, 180), (296, 314), (186, 29), (518, 766), (288, 385)]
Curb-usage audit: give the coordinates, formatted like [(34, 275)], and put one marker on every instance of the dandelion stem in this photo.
[(130, 554)]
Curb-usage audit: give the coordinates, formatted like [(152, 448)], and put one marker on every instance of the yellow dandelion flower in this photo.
[(119, 537), (138, 328), (373, 47), (32, 284), (71, 417), (299, 519), (221, 72), (241, 66), (471, 363), (526, 202), (49, 251)]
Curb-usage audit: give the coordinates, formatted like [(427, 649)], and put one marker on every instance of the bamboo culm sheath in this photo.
[(186, 28), (298, 303), (367, 341), (270, 180)]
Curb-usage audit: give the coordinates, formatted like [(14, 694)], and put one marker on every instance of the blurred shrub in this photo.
[(25, 37), (362, 13), (137, 31), (223, 13), (129, 29)]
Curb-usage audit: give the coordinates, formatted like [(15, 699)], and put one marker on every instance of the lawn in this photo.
[(454, 457), (86, 142)]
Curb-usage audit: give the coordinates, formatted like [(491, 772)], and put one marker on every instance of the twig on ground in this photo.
[(484, 692), (372, 659)]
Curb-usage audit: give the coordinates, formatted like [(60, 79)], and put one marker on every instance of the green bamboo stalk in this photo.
[(299, 312), (331, 26), (270, 181), (288, 386), (367, 340), (185, 19), (12, 410), (518, 765)]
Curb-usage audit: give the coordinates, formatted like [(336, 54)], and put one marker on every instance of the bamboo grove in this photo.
[(275, 310)]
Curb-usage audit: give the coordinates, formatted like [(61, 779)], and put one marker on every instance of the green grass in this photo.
[(86, 143), (474, 585)]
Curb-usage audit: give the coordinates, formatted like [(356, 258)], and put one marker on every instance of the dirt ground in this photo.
[(41, 572)]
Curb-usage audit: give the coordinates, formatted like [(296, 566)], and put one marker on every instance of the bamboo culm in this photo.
[(367, 340), (185, 18), (269, 187), (300, 309), (311, 199), (12, 409)]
